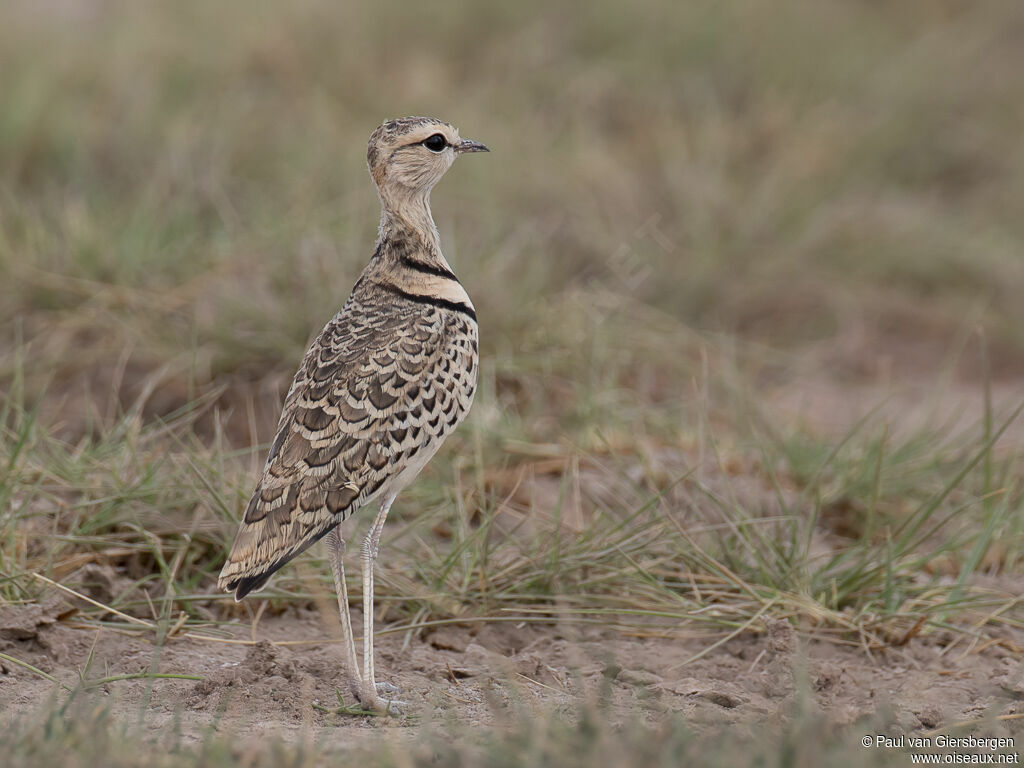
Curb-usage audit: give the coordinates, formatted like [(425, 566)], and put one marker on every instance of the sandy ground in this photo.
[(472, 674)]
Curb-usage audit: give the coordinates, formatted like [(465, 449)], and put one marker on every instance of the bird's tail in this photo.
[(259, 551)]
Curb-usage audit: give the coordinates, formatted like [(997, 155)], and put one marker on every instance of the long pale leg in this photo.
[(371, 545), (336, 547)]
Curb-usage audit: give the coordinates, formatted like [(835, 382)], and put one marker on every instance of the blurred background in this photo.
[(184, 200), (695, 218)]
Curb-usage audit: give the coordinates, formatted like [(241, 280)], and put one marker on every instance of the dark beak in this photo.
[(468, 145)]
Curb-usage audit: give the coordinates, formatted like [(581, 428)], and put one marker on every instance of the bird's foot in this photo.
[(367, 703), (378, 705), (378, 700)]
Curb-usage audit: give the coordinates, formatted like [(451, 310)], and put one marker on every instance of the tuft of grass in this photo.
[(576, 535)]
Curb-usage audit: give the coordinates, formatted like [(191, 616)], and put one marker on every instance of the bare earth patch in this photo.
[(470, 674)]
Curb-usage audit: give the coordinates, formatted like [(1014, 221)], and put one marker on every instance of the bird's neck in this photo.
[(408, 258), (408, 218)]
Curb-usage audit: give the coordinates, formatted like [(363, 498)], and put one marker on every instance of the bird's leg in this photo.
[(336, 547), (371, 545)]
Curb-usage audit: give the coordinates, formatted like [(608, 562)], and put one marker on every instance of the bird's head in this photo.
[(408, 156)]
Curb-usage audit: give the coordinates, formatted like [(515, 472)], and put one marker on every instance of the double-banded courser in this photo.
[(387, 379)]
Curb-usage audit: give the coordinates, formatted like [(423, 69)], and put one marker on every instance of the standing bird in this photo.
[(377, 393)]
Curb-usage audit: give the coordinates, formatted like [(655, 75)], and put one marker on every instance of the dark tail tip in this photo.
[(243, 585), (247, 584)]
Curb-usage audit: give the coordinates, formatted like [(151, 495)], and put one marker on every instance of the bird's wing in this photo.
[(372, 390)]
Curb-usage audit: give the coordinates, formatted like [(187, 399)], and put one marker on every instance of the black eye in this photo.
[(435, 143)]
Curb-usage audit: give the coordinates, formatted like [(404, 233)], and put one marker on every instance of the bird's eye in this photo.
[(435, 143)]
